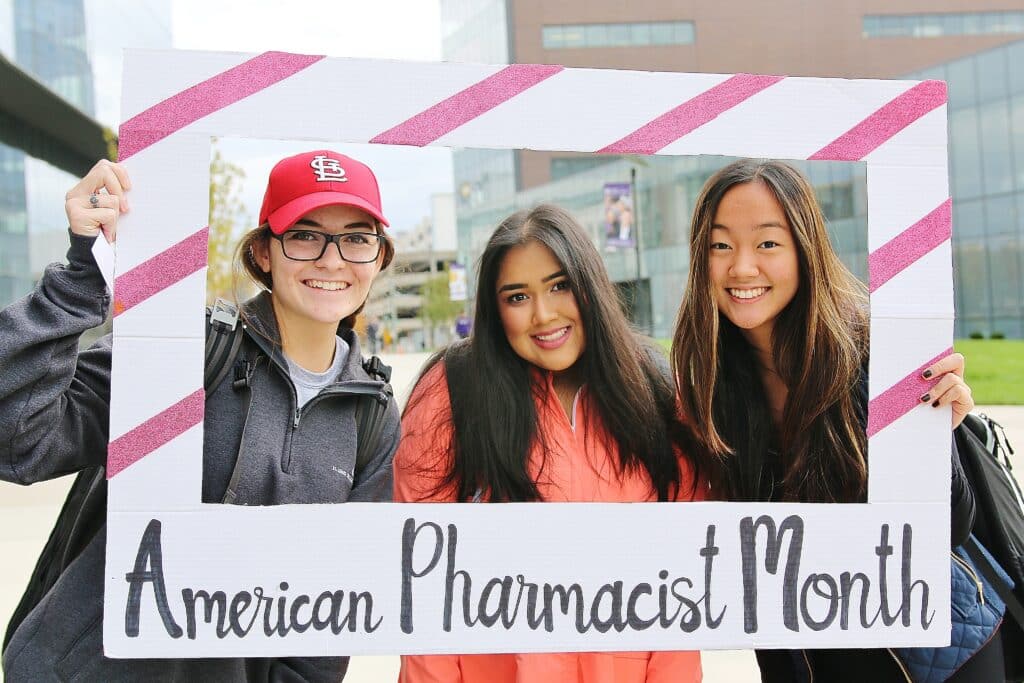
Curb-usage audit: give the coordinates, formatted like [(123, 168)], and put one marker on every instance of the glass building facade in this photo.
[(57, 41), (478, 31), (986, 150), (47, 39), (475, 31), (935, 24), (633, 34)]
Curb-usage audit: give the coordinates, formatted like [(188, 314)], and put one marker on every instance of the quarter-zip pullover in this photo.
[(579, 466)]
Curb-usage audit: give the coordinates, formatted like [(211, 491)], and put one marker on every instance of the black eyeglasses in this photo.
[(310, 245)]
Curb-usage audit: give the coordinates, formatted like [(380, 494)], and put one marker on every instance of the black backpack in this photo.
[(998, 523), (85, 509)]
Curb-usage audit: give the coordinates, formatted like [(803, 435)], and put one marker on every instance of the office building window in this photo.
[(937, 24), (562, 36)]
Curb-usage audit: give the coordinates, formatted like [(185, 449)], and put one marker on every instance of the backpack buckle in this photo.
[(243, 372), (224, 315), (375, 367)]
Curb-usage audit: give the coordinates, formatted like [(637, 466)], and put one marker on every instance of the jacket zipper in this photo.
[(336, 390), (286, 455), (903, 669), (810, 671), (333, 390), (575, 404), (272, 357), (330, 390), (974, 576)]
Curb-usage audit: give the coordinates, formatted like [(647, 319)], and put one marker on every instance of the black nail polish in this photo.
[(935, 403), (926, 374), (926, 398)]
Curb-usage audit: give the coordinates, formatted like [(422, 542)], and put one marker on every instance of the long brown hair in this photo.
[(244, 262), (819, 347), (492, 406)]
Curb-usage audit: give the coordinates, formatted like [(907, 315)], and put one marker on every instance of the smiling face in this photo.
[(538, 309), (753, 260), (322, 292)]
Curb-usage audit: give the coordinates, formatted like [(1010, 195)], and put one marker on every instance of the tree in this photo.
[(227, 218), (437, 307)]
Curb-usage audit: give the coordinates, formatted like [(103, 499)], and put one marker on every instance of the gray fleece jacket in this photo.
[(54, 417)]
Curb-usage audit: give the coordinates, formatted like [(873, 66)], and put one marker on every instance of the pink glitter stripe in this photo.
[(129, 448), (691, 115), (161, 271), (213, 94), (901, 251), (464, 106), (901, 398), (870, 133)]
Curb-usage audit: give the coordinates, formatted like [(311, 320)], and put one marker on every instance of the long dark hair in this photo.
[(819, 346), (492, 405)]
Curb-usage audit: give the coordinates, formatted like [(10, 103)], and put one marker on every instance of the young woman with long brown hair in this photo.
[(770, 357), (552, 398)]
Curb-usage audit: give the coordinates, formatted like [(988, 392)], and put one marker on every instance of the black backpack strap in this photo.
[(995, 437), (223, 340), (980, 560), (370, 412), (224, 334)]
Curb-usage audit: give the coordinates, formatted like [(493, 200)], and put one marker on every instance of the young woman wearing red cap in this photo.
[(281, 435), (551, 398)]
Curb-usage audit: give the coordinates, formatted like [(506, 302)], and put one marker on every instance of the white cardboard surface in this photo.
[(615, 553), (248, 552), (103, 253)]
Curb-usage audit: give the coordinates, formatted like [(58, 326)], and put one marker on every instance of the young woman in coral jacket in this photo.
[(552, 398)]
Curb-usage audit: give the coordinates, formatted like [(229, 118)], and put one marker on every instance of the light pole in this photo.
[(638, 298)]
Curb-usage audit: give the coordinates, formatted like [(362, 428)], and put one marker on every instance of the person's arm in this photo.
[(307, 670), (949, 389), (374, 482), (430, 669), (419, 469), (961, 505), (423, 458), (674, 667), (54, 400)]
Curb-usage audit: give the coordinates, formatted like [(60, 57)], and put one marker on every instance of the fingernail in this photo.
[(935, 403), (926, 398), (926, 374)]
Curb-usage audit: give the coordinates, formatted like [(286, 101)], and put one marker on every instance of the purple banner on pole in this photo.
[(619, 216)]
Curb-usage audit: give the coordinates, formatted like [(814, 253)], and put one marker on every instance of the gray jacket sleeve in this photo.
[(374, 484), (54, 400)]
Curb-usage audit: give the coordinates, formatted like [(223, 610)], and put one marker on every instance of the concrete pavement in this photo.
[(28, 514)]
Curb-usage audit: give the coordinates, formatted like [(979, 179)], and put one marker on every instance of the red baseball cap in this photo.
[(307, 181)]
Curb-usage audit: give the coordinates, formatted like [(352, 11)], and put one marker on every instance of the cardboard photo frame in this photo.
[(185, 579)]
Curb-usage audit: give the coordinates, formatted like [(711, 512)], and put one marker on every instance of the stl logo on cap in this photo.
[(292, 191), (328, 169)]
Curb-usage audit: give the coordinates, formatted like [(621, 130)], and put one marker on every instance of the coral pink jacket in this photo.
[(578, 468)]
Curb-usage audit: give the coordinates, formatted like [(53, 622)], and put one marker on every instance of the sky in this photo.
[(385, 29), (381, 29)]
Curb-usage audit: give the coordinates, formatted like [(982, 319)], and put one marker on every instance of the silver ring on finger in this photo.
[(94, 200)]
